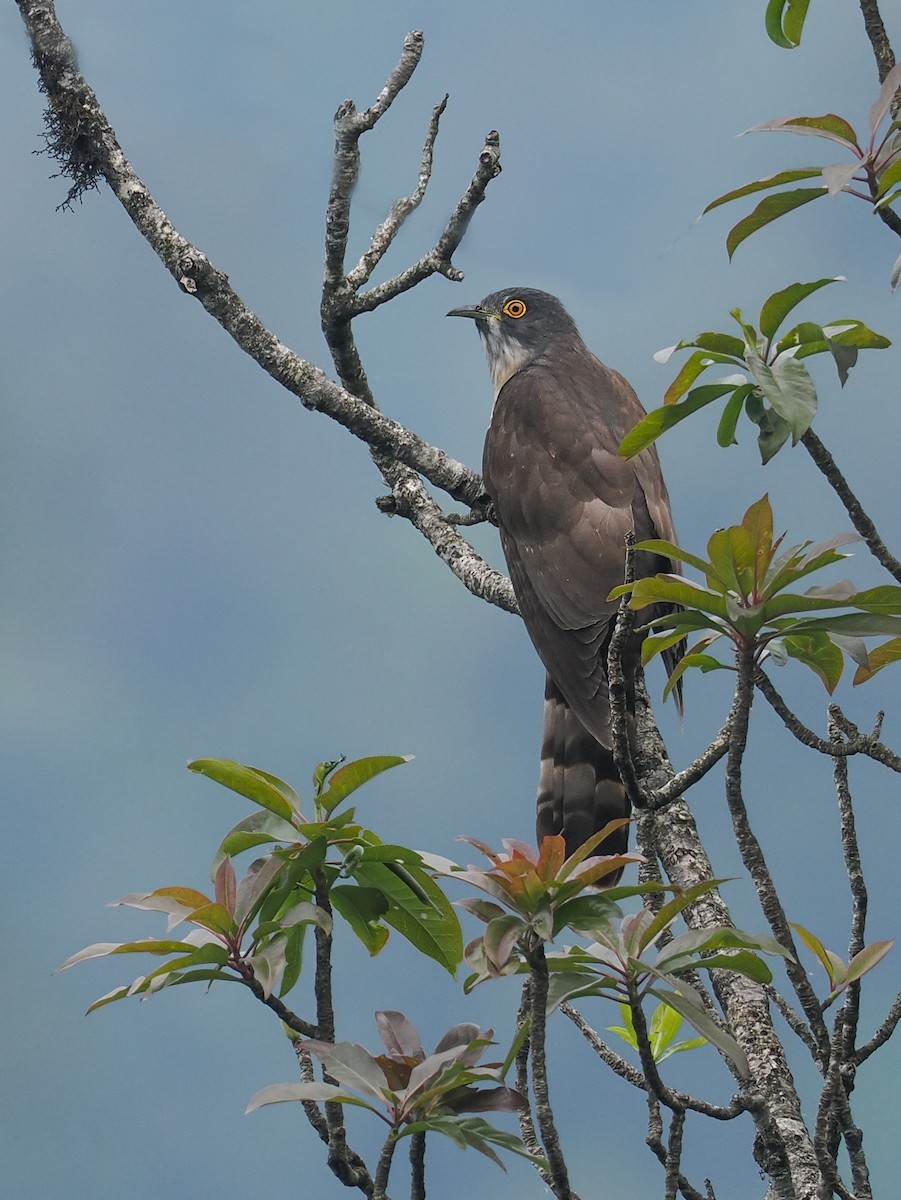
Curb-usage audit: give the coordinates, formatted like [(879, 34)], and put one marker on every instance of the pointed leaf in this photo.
[(263, 789), (880, 657), (659, 420), (762, 185), (351, 1064), (399, 1034), (777, 307), (867, 958), (354, 774), (784, 21), (830, 126), (698, 1018), (363, 908), (769, 210), (725, 430), (837, 177), (883, 101), (833, 965), (279, 1093), (226, 883), (432, 927)]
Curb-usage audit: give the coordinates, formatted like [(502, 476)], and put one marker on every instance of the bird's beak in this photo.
[(471, 310)]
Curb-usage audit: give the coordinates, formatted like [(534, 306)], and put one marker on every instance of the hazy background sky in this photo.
[(193, 565)]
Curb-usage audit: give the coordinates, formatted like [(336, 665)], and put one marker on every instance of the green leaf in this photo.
[(659, 420), (476, 1133), (697, 1017), (830, 126), (668, 912), (672, 551), (294, 940), (883, 599), (853, 624), (259, 786), (784, 21), (725, 431), (279, 1093), (867, 958), (833, 965), (215, 918), (890, 176), (769, 210), (762, 185), (820, 655), (789, 389), (880, 657), (433, 927), (850, 332), (354, 774), (673, 589), (147, 946), (257, 829), (254, 887), (363, 909), (773, 433), (777, 307)]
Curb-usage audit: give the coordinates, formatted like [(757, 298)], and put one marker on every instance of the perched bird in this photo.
[(564, 501)]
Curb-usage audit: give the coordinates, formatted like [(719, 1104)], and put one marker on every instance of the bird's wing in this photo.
[(565, 501)]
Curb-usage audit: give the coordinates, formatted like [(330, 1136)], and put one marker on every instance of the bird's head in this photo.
[(517, 325)]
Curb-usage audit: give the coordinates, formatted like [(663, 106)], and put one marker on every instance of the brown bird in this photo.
[(564, 501)]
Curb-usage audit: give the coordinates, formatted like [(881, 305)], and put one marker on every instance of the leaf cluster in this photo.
[(839, 972), (750, 598), (535, 897), (252, 929), (411, 1091), (772, 386), (870, 171)]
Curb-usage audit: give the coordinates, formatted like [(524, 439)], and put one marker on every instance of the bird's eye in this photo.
[(515, 308)]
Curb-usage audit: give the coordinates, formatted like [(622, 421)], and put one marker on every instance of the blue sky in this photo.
[(194, 565)]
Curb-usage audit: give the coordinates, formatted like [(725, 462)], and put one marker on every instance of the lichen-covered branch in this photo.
[(544, 1114), (84, 144)]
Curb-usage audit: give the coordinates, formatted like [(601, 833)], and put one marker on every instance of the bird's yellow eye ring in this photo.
[(515, 309)]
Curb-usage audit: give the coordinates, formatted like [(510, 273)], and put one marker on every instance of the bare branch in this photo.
[(856, 742), (654, 1140), (538, 984), (752, 852), (797, 1024), (882, 1034), (417, 1166), (85, 144), (882, 50), (860, 519)]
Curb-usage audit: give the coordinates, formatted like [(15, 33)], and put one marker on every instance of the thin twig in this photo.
[(882, 1034), (797, 1024), (752, 852), (867, 744), (859, 517), (654, 1140)]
